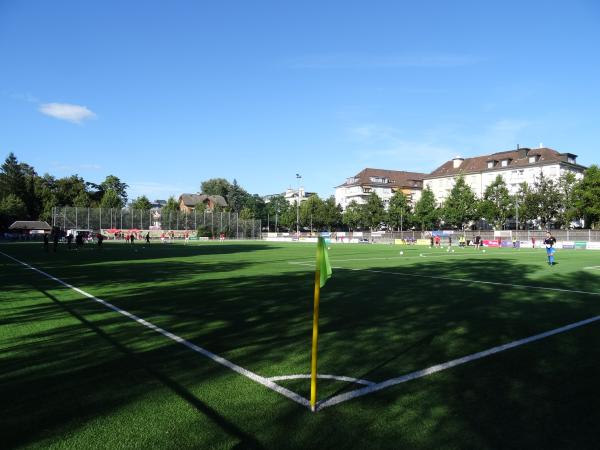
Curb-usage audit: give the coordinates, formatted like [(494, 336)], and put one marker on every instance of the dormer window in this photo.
[(351, 180), (571, 159), (505, 162), (491, 164), (533, 159), (379, 180)]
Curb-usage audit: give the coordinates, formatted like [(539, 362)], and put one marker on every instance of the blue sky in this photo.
[(167, 94)]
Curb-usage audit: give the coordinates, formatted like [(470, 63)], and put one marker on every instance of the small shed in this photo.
[(31, 226)]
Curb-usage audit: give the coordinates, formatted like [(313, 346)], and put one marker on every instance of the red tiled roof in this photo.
[(396, 178), (516, 159)]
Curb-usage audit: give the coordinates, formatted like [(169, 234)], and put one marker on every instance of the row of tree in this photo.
[(26, 195), (545, 203)]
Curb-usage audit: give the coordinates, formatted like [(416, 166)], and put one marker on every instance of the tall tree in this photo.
[(426, 212), (496, 206), (111, 199), (45, 192), (332, 213), (11, 208), (12, 177), (68, 189), (587, 197), (141, 203), (312, 212), (460, 207), (168, 213), (246, 214), (547, 198), (216, 186), (257, 206), (276, 206), (526, 206), (113, 183), (399, 211), (352, 216), (567, 184), (373, 211), (236, 197)]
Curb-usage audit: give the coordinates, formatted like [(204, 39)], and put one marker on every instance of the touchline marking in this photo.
[(216, 358), (323, 376), (461, 280), (592, 268), (447, 365)]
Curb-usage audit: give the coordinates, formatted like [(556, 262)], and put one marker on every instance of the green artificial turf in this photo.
[(78, 375)]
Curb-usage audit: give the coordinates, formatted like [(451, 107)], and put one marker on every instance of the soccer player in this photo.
[(549, 243)]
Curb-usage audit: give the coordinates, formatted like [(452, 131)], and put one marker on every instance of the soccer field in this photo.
[(208, 346)]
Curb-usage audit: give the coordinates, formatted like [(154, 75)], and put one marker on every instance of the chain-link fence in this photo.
[(389, 237), (207, 223)]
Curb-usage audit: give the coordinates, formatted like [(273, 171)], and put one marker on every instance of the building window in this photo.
[(532, 159), (490, 164), (504, 162), (571, 160), (379, 180)]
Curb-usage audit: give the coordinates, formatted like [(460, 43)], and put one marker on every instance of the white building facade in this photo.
[(515, 167), (384, 183), (291, 195)]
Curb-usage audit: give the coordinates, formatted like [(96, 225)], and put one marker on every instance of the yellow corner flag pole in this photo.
[(315, 339)]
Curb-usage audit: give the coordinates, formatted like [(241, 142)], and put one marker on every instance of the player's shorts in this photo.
[(550, 250)]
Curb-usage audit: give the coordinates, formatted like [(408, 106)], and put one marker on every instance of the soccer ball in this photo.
[(448, 250), (328, 248), (483, 251), (452, 251), (402, 253)]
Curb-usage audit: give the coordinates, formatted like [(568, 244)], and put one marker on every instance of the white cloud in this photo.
[(66, 111)]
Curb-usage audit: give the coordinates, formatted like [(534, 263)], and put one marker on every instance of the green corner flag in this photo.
[(323, 265)]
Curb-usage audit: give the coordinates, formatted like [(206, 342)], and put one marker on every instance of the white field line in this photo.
[(323, 376), (447, 365), (462, 280), (592, 268), (216, 358)]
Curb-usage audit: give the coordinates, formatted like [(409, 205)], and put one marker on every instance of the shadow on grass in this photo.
[(373, 325)]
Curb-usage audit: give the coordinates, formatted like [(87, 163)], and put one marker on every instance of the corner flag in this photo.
[(322, 274)]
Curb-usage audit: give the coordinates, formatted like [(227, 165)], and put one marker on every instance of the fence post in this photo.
[(237, 226)]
